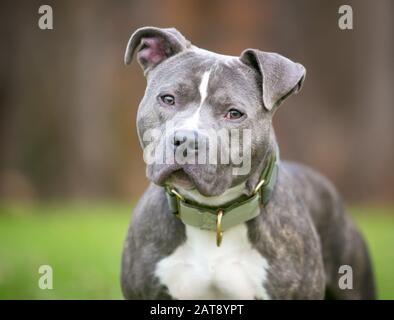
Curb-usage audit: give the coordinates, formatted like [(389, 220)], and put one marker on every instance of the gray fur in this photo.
[(303, 232)]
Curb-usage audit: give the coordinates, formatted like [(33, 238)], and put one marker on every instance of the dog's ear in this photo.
[(154, 45), (280, 76)]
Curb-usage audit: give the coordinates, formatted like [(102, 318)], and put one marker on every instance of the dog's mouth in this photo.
[(173, 175), (206, 179)]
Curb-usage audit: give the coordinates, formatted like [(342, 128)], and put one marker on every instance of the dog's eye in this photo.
[(168, 99), (233, 114)]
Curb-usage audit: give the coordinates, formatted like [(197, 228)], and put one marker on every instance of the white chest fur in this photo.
[(198, 269)]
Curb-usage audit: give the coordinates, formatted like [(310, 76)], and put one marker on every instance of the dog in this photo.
[(204, 231)]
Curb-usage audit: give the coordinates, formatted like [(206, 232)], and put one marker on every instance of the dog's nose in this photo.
[(187, 138)]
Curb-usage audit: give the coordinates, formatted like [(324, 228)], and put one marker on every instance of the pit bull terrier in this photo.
[(204, 231)]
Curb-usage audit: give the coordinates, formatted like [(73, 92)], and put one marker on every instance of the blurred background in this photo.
[(71, 167)]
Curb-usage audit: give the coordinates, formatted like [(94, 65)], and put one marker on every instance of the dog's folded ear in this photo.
[(154, 45), (280, 77)]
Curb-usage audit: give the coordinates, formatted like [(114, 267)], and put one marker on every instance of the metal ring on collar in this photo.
[(177, 194), (219, 232), (258, 187)]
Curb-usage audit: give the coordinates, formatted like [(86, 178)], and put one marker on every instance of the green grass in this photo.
[(377, 226), (83, 243)]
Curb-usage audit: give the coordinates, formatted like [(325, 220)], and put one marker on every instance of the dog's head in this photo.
[(205, 119)]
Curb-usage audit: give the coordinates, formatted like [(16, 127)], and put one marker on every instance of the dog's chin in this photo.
[(189, 178), (180, 178), (172, 175)]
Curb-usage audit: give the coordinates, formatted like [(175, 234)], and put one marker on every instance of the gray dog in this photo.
[(206, 231)]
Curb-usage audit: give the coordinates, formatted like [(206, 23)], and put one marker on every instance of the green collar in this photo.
[(222, 218)]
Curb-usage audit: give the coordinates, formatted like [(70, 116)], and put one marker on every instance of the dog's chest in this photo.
[(198, 269)]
